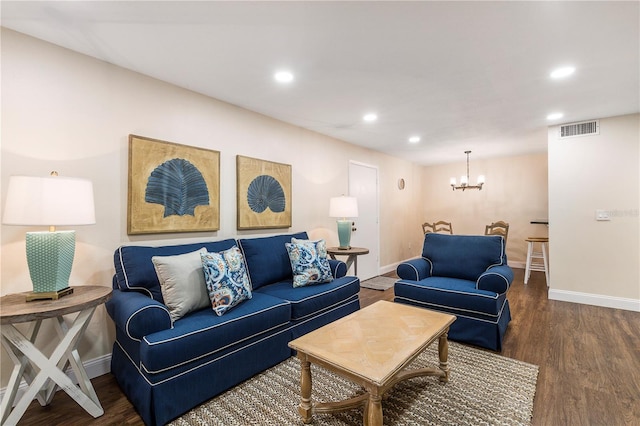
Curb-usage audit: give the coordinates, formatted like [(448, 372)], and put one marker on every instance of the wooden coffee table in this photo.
[(371, 347)]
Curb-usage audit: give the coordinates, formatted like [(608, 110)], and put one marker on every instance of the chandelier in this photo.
[(464, 180)]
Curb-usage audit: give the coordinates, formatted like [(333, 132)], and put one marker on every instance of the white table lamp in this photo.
[(344, 207), (49, 201)]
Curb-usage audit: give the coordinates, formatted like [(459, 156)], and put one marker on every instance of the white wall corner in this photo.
[(595, 299)]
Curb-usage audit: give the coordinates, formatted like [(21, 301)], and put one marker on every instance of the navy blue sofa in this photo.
[(464, 275), (166, 368)]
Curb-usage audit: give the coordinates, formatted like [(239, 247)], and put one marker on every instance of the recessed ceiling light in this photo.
[(370, 117), (283, 76), (414, 139), (555, 116), (562, 72)]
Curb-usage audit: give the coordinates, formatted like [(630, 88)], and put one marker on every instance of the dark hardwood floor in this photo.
[(589, 360)]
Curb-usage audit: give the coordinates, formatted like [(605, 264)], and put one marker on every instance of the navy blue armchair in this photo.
[(464, 275)]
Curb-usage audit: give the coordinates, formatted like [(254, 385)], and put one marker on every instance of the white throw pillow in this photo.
[(182, 282)]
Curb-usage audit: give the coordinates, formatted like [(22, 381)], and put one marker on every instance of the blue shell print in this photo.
[(266, 192), (177, 185)]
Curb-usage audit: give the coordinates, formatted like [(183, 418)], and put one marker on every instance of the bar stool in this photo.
[(534, 257)]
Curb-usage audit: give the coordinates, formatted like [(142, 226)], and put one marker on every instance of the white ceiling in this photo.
[(462, 75)]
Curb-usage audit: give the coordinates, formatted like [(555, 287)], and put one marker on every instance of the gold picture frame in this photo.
[(263, 194), (172, 187)]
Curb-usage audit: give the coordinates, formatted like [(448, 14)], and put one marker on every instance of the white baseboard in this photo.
[(388, 268), (595, 299), (94, 368), (517, 264)]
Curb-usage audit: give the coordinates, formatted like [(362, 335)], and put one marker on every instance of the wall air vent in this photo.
[(583, 128)]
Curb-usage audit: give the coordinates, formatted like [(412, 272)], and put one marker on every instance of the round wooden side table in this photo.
[(352, 254), (26, 356)]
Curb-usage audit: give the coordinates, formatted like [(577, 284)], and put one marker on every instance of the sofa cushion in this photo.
[(453, 295), (462, 256), (202, 334), (135, 271), (309, 262), (226, 279), (182, 282), (310, 300), (267, 259)]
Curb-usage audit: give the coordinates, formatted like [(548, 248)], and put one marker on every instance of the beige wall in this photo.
[(515, 191), (67, 112), (596, 262)]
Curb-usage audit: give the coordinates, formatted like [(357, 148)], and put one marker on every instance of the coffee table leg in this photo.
[(373, 409), (443, 353), (305, 407)]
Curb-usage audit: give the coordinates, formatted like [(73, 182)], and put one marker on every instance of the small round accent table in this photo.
[(352, 254), (26, 356)]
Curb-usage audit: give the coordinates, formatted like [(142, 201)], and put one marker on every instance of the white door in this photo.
[(363, 184)]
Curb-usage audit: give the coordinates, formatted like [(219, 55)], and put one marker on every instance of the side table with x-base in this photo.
[(26, 356)]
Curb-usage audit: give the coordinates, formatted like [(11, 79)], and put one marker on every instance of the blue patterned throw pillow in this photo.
[(309, 262), (226, 279)]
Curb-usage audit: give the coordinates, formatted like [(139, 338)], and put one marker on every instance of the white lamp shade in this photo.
[(343, 207), (49, 201)]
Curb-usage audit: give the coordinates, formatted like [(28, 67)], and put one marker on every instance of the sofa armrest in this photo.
[(497, 279), (338, 268), (414, 269), (137, 314)]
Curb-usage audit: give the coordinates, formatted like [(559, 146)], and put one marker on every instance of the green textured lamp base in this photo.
[(344, 234), (50, 256)]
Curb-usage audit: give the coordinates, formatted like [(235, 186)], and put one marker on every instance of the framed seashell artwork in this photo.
[(172, 187), (263, 194)]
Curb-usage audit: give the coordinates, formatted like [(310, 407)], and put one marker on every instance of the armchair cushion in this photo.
[(462, 256), (456, 296)]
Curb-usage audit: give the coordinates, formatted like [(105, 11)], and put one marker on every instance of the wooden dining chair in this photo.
[(440, 227), (497, 228)]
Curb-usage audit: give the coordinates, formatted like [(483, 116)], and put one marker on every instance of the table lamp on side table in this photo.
[(344, 207), (49, 201)]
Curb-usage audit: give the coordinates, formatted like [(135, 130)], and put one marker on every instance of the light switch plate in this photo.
[(602, 215)]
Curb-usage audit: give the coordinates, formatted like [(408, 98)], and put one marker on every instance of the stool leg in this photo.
[(546, 262), (527, 269)]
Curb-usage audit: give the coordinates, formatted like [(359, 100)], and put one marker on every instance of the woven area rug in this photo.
[(378, 283), (484, 389)]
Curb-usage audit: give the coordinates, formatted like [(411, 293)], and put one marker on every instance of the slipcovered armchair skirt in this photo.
[(464, 275)]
